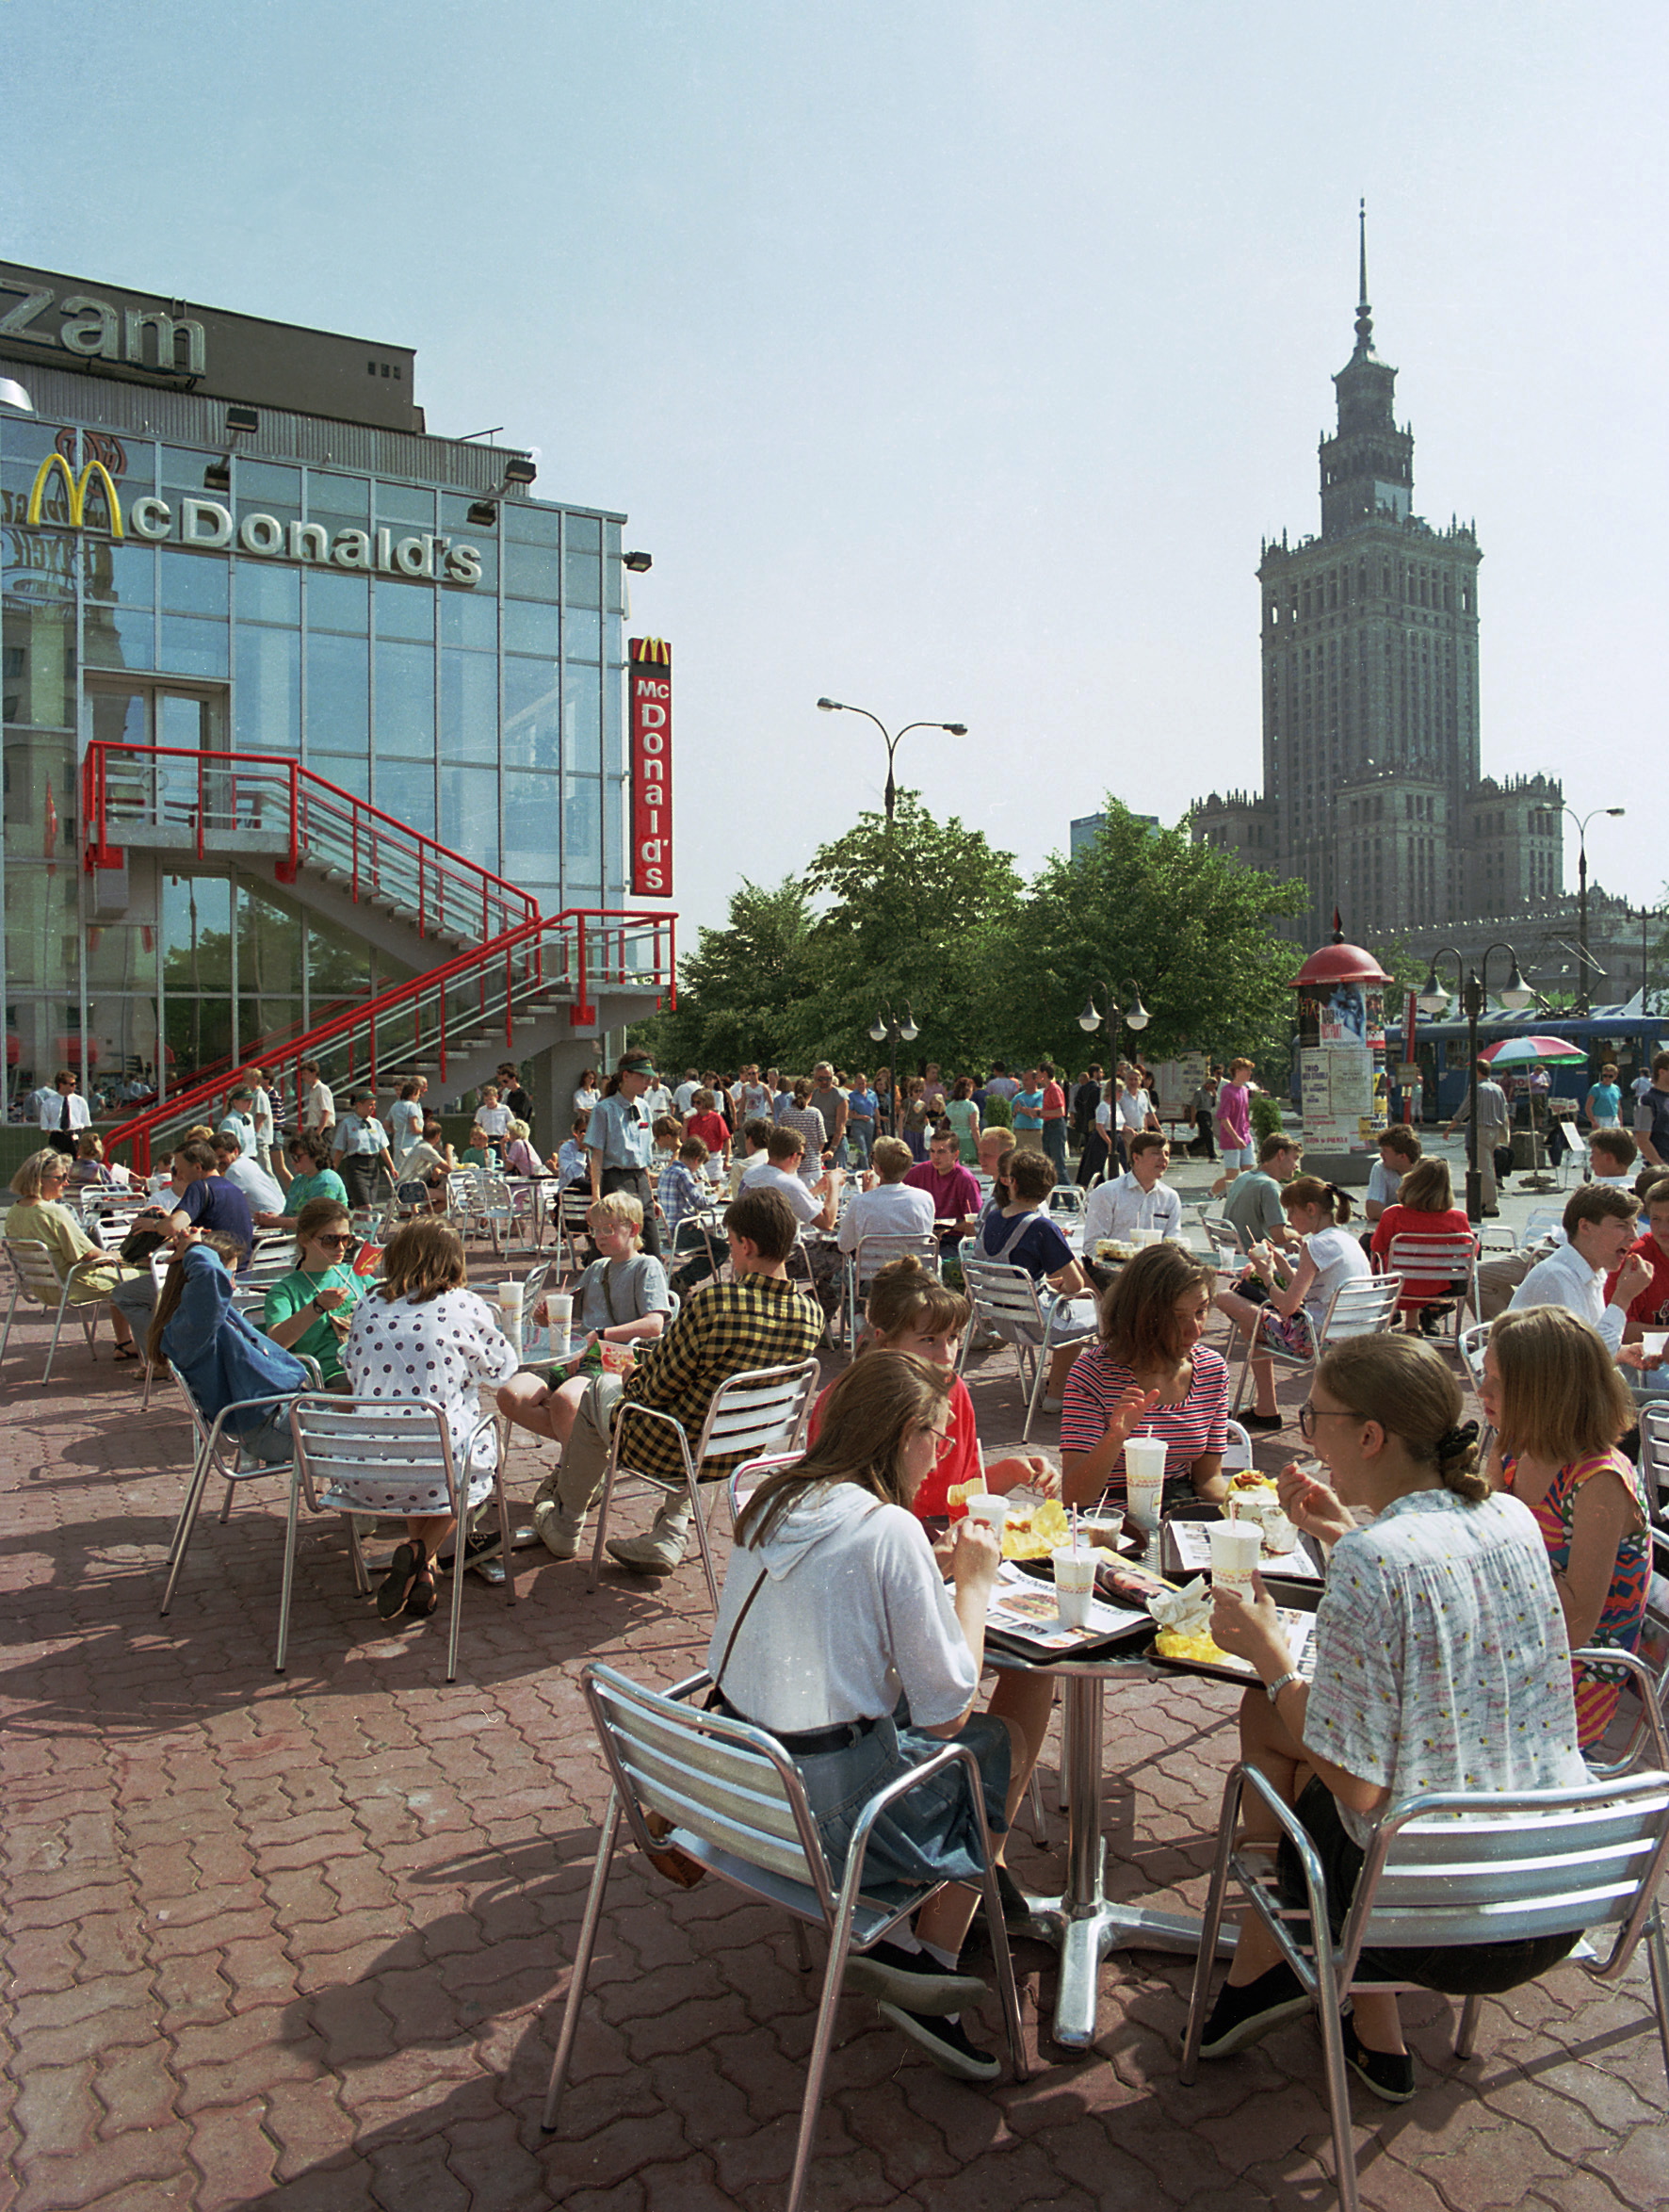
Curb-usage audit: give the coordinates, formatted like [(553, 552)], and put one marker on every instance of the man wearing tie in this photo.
[(64, 1113)]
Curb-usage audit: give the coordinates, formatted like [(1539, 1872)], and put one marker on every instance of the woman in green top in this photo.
[(308, 1173), (301, 1307), (963, 1117)]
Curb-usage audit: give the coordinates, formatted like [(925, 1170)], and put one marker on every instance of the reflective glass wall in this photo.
[(488, 716)]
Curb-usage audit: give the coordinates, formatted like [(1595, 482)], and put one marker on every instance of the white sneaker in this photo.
[(559, 1532), (648, 1555)]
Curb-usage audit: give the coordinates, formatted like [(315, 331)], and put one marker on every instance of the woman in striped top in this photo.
[(1558, 1406), (1149, 1372)]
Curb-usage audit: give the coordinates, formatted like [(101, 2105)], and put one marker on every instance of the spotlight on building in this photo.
[(520, 470), (242, 418), (483, 514), (640, 563), (216, 477)]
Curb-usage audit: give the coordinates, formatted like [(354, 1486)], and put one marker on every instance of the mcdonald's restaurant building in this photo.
[(227, 535)]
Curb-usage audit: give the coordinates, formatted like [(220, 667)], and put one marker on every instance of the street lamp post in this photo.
[(1581, 821), (1089, 1022), (886, 1029), (955, 729), (1434, 1000)]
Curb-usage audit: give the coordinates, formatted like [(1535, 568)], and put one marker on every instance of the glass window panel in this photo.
[(405, 610), (260, 483), (582, 719), (613, 737), (531, 525), (582, 827), (469, 618), (405, 789), (469, 707), (455, 507), (337, 602), (532, 724), (585, 533), (25, 444), (185, 722), (136, 473), (405, 700), (190, 647), (127, 572), (269, 944), (196, 933), (531, 832), (118, 637), (41, 798), (529, 627), (268, 592), (338, 694), (38, 658), (339, 964), (533, 571), (350, 771), (116, 717), (582, 628), (338, 498), (486, 547), (42, 951), (195, 583), (469, 813), (409, 503), (613, 574), (263, 1016), (583, 576), (267, 697), (182, 468), (38, 564)]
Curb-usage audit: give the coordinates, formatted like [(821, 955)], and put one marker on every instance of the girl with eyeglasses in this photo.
[(1441, 1663), (309, 1310)]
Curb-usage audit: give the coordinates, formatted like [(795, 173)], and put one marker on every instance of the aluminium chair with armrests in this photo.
[(1454, 1259), (1010, 1304), (867, 1259), (381, 1439), (736, 1805), (217, 1452), (1447, 1868), (764, 1410), (35, 1276), (1362, 1305)]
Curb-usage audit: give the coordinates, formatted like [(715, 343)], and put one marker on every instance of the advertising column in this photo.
[(1341, 1049)]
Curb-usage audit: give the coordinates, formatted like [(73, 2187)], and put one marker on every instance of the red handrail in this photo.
[(307, 793), (585, 923)]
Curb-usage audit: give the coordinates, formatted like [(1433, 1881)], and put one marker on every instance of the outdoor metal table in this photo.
[(1084, 1920)]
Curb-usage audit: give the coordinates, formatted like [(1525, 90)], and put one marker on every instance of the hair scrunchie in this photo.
[(1455, 1441)]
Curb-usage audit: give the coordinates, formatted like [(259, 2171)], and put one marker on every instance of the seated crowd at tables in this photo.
[(852, 1614)]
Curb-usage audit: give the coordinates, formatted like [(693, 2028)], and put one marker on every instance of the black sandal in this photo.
[(394, 1593), (129, 1351), (423, 1597)]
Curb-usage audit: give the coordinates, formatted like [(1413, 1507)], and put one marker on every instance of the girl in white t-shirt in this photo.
[(838, 1632), (1290, 1317)]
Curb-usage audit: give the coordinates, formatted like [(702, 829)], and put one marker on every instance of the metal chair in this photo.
[(763, 1410), (1470, 1343), (343, 1439), (1654, 1451), (217, 1453), (1418, 1257), (1362, 1305), (1237, 1449), (736, 1803), (1224, 1240), (867, 1259), (572, 1210), (1007, 1302), (35, 1276), (1451, 1867)]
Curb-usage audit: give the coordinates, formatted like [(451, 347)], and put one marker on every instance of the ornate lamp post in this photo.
[(1434, 1000), (886, 1029), (1089, 1020), (955, 729), (1581, 821)]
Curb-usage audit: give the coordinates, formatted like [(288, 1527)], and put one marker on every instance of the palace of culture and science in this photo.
[(1372, 794)]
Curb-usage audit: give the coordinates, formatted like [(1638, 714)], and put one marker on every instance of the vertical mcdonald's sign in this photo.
[(649, 680)]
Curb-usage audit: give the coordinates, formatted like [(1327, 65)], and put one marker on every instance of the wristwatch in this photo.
[(1273, 1689)]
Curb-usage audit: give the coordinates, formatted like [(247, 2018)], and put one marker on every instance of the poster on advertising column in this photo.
[(1342, 1065), (649, 737)]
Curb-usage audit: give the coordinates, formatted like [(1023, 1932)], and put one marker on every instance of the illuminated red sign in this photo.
[(649, 681)]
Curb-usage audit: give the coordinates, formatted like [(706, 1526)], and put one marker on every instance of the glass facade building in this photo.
[(477, 700)]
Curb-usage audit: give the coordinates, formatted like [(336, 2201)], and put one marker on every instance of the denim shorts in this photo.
[(930, 1836)]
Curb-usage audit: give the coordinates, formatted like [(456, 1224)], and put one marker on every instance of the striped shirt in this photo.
[(1196, 1425)]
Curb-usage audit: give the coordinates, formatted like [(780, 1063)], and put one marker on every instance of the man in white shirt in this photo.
[(1599, 1227), (1398, 1151), (1612, 1154), (1137, 1200), (62, 1112), (261, 1107), (684, 1097), (318, 1105), (891, 1207), (243, 1169), (657, 1101), (780, 1171)]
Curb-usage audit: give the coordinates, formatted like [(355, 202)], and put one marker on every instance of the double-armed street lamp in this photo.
[(1581, 821), (1434, 1001), (954, 729), (1134, 1015), (886, 1029)]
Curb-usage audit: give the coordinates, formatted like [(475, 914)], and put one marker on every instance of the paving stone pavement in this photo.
[(302, 1943)]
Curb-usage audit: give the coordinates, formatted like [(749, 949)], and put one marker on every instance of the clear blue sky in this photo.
[(952, 359)]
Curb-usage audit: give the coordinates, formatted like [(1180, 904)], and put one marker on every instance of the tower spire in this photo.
[(1364, 313)]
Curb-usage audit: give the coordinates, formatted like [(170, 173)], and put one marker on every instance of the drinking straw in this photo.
[(1075, 1532)]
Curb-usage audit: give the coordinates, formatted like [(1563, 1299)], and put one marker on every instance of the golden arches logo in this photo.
[(76, 491)]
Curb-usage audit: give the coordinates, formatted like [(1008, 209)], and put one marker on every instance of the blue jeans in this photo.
[(1054, 1144)]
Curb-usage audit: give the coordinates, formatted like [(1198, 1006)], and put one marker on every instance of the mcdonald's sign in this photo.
[(649, 684), (76, 489)]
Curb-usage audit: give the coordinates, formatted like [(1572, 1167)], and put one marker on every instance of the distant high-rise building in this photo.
[(1372, 794)]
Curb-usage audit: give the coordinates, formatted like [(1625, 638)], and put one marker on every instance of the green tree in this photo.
[(737, 990), (1187, 923)]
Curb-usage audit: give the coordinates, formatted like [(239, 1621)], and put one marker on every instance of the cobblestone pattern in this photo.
[(302, 1943)]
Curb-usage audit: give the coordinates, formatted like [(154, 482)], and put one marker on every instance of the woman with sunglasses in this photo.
[(41, 1218), (1441, 1663), (308, 1310)]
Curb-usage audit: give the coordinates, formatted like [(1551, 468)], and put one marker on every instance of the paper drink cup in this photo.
[(559, 1306), (1142, 1238), (510, 1297), (1075, 1586), (986, 1506), (1144, 1479), (1236, 1548)]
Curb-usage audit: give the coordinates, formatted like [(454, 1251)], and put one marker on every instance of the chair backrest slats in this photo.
[(687, 1777), (34, 1263)]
